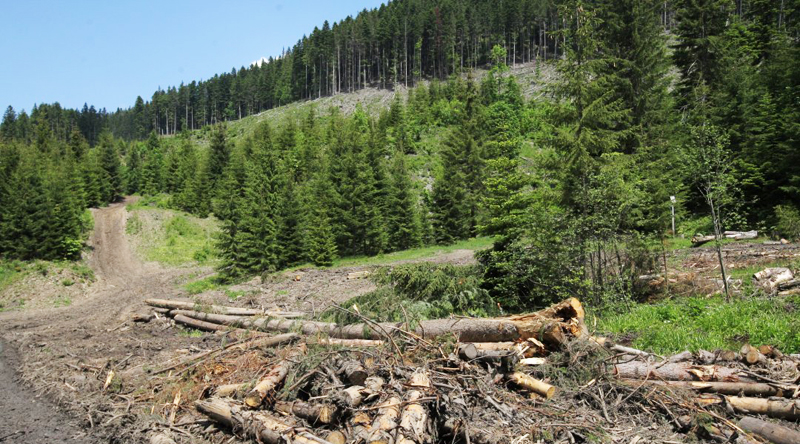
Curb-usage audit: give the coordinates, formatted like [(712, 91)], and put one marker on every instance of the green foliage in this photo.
[(788, 221), (699, 323), (202, 285), (417, 292)]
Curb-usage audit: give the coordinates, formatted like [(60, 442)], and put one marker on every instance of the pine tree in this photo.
[(453, 211), (110, 163), (402, 217)]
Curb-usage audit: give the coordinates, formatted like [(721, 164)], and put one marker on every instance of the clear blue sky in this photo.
[(107, 52)]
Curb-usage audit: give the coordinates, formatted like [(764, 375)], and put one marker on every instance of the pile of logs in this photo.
[(735, 235), (339, 384)]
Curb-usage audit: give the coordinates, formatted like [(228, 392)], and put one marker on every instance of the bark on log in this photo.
[(552, 326), (722, 388), (258, 425), (774, 433), (678, 372), (774, 408), (270, 382), (354, 343), (706, 357), (314, 413), (200, 325), (685, 356), (233, 311), (527, 382)]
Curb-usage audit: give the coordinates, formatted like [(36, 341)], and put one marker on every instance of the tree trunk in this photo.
[(536, 386), (771, 432), (257, 425), (271, 381), (553, 326), (774, 408), (233, 311), (723, 388), (680, 371), (314, 413)]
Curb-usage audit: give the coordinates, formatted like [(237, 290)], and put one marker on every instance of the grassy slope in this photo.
[(170, 237), (707, 323)]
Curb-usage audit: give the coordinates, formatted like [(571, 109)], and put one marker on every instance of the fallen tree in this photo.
[(678, 371), (234, 311), (774, 433), (553, 326)]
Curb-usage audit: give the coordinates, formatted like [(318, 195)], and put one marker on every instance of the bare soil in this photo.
[(57, 360)]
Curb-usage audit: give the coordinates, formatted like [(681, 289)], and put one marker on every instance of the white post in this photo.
[(673, 200)]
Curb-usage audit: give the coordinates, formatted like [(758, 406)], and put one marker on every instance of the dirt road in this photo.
[(47, 345)]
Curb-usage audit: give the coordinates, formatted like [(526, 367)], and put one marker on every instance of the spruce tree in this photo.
[(402, 217)]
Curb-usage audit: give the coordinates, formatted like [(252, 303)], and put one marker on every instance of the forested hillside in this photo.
[(700, 100)]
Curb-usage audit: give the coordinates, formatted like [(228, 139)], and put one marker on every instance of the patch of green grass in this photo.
[(157, 201), (477, 243), (82, 271), (62, 301), (234, 295), (747, 273), (697, 323), (68, 282), (10, 272), (174, 238), (191, 333), (206, 284)]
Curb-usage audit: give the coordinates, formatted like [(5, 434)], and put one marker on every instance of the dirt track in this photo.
[(51, 342)]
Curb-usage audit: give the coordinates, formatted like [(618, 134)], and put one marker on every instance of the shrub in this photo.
[(415, 292), (788, 221)]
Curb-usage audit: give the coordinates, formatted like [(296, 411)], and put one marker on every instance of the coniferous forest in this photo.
[(697, 99)]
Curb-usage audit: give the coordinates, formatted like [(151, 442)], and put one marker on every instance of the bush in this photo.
[(421, 291), (788, 221), (701, 225)]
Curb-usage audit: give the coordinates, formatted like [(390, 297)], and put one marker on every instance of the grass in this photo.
[(202, 285), (11, 272), (172, 237), (414, 254), (695, 323), (62, 301)]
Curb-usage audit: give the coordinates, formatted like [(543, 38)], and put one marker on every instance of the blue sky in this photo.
[(107, 52)]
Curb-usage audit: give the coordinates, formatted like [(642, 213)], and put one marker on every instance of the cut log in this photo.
[(353, 343), (234, 311), (685, 356), (412, 420), (774, 433), (143, 318), (229, 390), (385, 423), (200, 325), (788, 285), (770, 351), (271, 381), (722, 388), (533, 361), (552, 326), (257, 425), (529, 383), (314, 413), (751, 355), (358, 275), (773, 407), (700, 239), (353, 372), (706, 357), (726, 356), (352, 396), (336, 437), (680, 371), (161, 438), (741, 235)]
